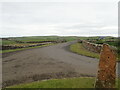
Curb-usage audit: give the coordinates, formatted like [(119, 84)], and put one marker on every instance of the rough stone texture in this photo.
[(32, 44), (107, 68), (7, 47), (92, 46)]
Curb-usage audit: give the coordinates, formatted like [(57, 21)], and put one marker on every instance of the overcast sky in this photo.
[(59, 17)]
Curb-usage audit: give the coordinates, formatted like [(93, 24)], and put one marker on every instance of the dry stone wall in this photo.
[(95, 47), (7, 47), (92, 46)]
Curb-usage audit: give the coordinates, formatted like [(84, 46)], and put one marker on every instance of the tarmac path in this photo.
[(45, 63)]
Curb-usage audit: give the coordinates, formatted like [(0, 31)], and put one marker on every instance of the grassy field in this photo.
[(113, 41), (38, 38), (57, 38), (82, 82), (79, 49), (12, 41), (7, 42)]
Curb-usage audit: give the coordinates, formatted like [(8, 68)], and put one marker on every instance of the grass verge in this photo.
[(79, 49), (60, 83), (13, 50), (82, 82)]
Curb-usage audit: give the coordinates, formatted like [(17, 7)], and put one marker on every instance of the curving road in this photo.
[(45, 63)]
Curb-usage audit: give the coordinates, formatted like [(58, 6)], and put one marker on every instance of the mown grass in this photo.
[(79, 49), (82, 82), (60, 83)]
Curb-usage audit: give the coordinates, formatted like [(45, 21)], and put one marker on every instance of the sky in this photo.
[(58, 17)]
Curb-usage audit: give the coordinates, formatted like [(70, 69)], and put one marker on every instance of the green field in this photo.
[(97, 40), (24, 41), (7, 42), (57, 38), (12, 40), (113, 41)]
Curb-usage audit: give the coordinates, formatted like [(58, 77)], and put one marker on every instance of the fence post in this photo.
[(107, 68)]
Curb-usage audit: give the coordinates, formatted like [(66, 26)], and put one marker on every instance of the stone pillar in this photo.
[(107, 68)]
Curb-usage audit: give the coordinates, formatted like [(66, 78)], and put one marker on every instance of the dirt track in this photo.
[(46, 63)]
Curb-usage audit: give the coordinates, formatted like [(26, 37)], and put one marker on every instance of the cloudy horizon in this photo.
[(59, 18)]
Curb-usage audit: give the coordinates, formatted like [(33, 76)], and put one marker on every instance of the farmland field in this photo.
[(33, 41), (39, 38), (55, 61)]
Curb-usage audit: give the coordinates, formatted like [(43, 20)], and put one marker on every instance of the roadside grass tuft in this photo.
[(79, 49)]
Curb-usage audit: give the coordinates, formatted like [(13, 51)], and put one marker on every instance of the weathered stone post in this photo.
[(107, 68)]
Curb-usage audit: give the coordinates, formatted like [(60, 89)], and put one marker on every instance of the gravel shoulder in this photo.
[(46, 63)]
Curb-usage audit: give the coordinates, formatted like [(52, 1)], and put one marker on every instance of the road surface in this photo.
[(45, 63)]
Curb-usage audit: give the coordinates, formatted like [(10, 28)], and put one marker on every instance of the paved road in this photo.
[(45, 63)]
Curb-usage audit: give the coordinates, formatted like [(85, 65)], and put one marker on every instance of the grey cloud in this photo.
[(60, 18), (83, 26)]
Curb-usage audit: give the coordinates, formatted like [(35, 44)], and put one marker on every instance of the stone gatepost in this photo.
[(107, 68)]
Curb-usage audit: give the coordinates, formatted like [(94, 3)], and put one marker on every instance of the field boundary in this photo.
[(27, 48)]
